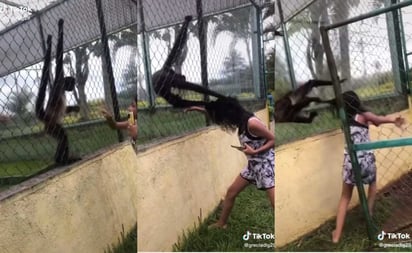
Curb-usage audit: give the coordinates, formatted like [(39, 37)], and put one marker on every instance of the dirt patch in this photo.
[(399, 196)]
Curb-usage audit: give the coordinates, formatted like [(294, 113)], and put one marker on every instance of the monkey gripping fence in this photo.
[(110, 46), (389, 87), (25, 150), (300, 57), (223, 53)]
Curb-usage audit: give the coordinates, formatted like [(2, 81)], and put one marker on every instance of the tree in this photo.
[(269, 13), (129, 77), (81, 73), (18, 103), (234, 63), (238, 23)]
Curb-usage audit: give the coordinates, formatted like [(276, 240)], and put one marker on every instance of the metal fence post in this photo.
[(203, 50), (257, 49), (398, 46), (287, 47), (146, 57), (345, 127), (107, 63)]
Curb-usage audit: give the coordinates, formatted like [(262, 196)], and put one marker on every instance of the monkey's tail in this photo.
[(179, 44), (200, 89), (58, 85), (43, 83)]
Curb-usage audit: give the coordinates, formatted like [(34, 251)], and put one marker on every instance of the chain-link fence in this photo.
[(25, 149), (140, 34), (371, 51), (373, 55), (300, 56), (226, 57)]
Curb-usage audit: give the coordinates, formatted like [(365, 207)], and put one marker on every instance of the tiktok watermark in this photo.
[(258, 240), (14, 13), (403, 240)]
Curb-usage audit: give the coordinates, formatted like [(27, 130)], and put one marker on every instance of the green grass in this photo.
[(251, 212), (126, 244), (354, 237), (21, 168), (383, 89), (287, 132), (29, 154), (167, 122), (328, 119)]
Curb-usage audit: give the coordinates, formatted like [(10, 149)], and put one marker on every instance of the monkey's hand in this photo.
[(106, 113)]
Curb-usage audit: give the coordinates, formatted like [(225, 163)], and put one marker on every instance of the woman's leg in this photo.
[(237, 186), (371, 197), (346, 196), (271, 195)]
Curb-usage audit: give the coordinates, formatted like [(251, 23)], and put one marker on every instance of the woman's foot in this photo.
[(335, 237), (218, 225)]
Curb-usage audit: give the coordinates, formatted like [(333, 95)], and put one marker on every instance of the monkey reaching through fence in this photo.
[(289, 107), (167, 79), (52, 116)]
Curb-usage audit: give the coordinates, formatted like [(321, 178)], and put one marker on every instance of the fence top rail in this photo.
[(368, 15), (400, 142)]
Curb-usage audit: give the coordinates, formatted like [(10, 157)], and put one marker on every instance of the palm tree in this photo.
[(126, 37), (238, 23), (81, 73), (269, 13)]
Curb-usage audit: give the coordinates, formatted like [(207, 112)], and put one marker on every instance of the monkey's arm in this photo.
[(57, 89), (43, 83)]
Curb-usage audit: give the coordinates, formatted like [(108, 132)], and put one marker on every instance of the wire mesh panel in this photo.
[(229, 64), (371, 53), (304, 58), (25, 148)]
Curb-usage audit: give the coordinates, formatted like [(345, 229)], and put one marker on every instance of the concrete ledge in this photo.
[(79, 208), (309, 178), (183, 180)]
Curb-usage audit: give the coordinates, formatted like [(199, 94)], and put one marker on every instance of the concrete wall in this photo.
[(309, 178), (182, 180), (77, 209)]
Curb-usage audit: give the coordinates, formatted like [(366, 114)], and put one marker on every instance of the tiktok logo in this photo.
[(246, 236), (381, 236)]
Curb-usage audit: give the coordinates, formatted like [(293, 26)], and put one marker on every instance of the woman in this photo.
[(258, 145)]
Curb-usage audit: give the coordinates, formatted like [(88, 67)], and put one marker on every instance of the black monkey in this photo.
[(166, 78), (52, 116), (289, 107)]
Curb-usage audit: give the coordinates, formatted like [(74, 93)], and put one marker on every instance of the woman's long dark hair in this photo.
[(352, 103), (228, 114)]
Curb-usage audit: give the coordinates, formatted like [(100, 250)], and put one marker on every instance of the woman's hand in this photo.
[(249, 150), (399, 121), (132, 131)]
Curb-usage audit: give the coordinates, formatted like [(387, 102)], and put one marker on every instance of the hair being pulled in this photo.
[(227, 113)]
